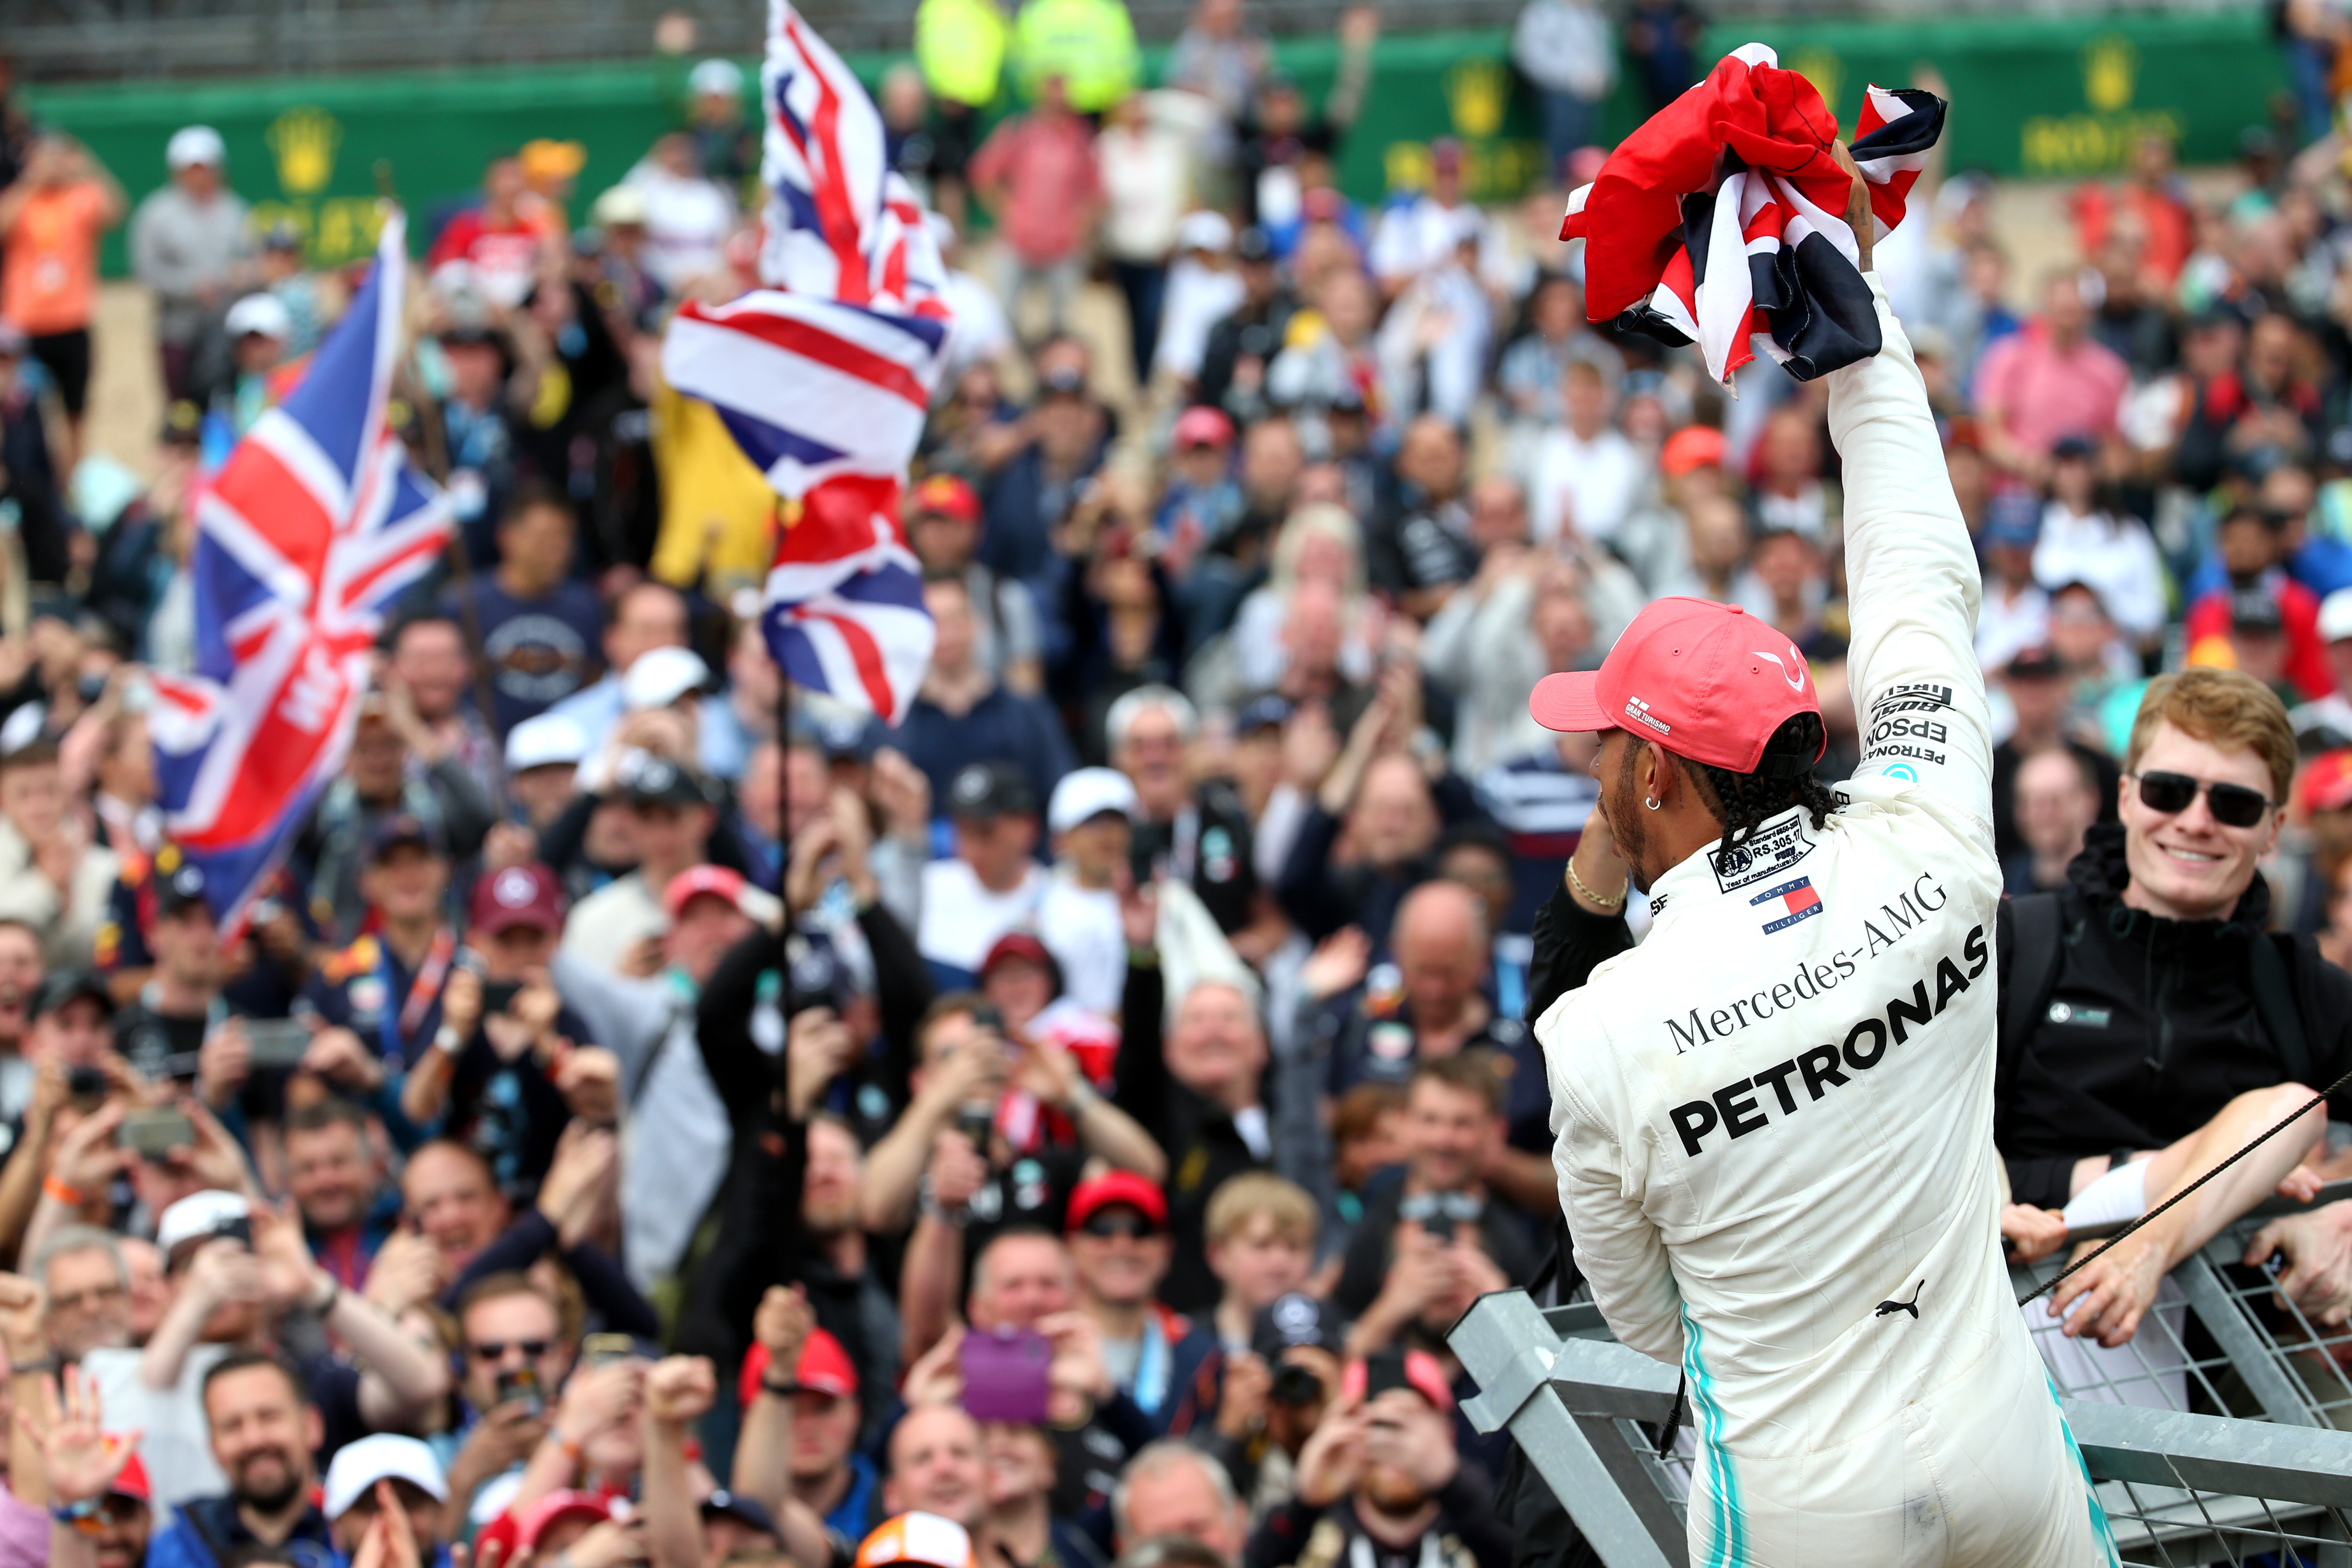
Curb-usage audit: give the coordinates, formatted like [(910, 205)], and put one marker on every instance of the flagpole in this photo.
[(784, 772)]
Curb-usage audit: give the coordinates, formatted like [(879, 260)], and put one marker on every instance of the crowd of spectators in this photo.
[(635, 1130)]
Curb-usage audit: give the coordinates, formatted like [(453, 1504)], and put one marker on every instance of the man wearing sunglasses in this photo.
[(2151, 1025)]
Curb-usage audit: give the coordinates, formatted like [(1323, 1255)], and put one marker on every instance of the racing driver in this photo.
[(1773, 1119)]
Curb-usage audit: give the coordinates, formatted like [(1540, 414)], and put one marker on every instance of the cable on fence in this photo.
[(2059, 1277)]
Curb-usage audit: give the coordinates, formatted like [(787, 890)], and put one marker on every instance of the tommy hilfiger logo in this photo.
[(1797, 900), (1639, 712)]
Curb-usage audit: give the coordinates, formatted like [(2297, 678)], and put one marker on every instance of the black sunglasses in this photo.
[(1103, 1226), (2234, 805), (496, 1350)]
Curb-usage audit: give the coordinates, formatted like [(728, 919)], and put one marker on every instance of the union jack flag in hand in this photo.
[(311, 528), (823, 378)]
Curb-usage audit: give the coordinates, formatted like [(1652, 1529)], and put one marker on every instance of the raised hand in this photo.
[(81, 1457)]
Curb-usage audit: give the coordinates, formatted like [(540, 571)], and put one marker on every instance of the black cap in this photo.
[(2073, 447), (65, 985), (180, 887), (658, 781), (740, 1508), (402, 827), (2036, 663), (1293, 1319), (991, 789), (1269, 711), (1254, 244), (2255, 610)]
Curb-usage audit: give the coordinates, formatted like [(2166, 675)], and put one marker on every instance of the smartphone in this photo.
[(277, 1042), (1383, 1370), (596, 1350), (498, 996), (150, 1134), (86, 1089), (520, 1385), (1004, 1376)]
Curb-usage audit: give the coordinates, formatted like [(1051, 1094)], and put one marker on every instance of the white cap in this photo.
[(382, 1456), (1205, 230), (262, 315), (621, 204), (547, 739), (715, 77), (22, 728), (2335, 615), (1086, 794), (660, 677), (198, 1215), (193, 144)]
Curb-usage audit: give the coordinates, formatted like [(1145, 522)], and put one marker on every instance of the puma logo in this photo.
[(1888, 1308), (1796, 677)]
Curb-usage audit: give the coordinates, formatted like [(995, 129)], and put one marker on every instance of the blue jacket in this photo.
[(207, 1532)]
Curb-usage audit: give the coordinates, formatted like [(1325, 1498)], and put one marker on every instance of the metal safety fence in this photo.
[(2215, 1436)]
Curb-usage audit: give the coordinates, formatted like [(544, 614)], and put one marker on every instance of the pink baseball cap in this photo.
[(1706, 681)]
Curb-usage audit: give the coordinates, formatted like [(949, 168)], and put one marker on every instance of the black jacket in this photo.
[(2150, 1028), (1198, 1135)]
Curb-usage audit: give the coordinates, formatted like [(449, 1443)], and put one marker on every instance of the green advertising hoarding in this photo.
[(2038, 97)]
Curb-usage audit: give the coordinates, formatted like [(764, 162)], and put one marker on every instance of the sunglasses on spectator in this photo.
[(1133, 1226), (496, 1350), (93, 1516), (2233, 805)]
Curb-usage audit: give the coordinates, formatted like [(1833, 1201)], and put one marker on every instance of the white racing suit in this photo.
[(1773, 1119)]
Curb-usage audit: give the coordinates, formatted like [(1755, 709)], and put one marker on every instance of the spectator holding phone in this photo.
[(244, 1281), (496, 1073), (166, 1023), (513, 1355), (1381, 1477), (1438, 1239), (384, 989)]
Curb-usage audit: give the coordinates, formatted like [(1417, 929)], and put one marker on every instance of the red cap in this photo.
[(1421, 1372), (1200, 426), (1692, 446), (2326, 782), (1116, 1187), (554, 1506), (517, 896), (131, 1481), (1706, 681), (1016, 944), (824, 1368), (944, 495), (716, 881)]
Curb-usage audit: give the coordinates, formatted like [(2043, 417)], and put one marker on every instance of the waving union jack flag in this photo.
[(824, 376), (308, 532)]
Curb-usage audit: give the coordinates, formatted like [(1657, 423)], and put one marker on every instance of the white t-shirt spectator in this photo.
[(1594, 482), (1412, 237), (2115, 555), (2007, 627), (1080, 927), (1198, 297), (961, 919), (978, 331), (687, 221)]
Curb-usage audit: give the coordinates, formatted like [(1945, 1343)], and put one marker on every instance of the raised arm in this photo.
[(1912, 584)]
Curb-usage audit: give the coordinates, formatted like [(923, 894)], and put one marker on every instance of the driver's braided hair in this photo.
[(1745, 801)]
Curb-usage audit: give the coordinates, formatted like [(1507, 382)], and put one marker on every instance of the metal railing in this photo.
[(2209, 1437)]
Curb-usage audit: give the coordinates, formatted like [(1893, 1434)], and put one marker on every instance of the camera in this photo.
[(1294, 1386)]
